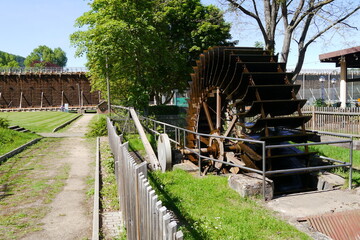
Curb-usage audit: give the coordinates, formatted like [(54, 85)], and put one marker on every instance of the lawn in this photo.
[(38, 121), (208, 209), (9, 139), (340, 153)]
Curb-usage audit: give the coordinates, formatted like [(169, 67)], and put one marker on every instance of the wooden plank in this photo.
[(158, 206), (149, 151), (171, 230), (179, 235), (166, 222), (162, 213)]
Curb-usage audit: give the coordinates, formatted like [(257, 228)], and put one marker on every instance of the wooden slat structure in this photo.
[(334, 119), (145, 216), (246, 93)]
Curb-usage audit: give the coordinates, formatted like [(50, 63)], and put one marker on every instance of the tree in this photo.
[(43, 56), (146, 47), (303, 21), (10, 60)]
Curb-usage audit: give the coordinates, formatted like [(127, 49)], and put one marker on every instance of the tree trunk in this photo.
[(286, 46), (300, 62)]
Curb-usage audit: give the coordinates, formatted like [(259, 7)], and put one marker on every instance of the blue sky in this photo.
[(27, 24)]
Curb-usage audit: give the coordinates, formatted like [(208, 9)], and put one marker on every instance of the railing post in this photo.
[(199, 154), (351, 161), (264, 170)]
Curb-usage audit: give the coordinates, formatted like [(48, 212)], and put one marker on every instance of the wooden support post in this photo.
[(41, 99), (155, 165), (21, 96), (62, 98), (208, 116), (218, 109), (82, 99), (343, 78)]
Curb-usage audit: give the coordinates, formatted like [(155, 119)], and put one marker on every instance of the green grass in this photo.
[(338, 153), (108, 191), (343, 154), (135, 143), (10, 140), (208, 209), (38, 121)]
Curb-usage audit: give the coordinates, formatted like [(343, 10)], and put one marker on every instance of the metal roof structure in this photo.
[(345, 58), (351, 55)]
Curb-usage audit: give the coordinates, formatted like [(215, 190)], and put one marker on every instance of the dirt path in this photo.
[(70, 215)]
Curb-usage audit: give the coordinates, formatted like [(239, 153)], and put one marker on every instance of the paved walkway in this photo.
[(70, 216), (111, 223)]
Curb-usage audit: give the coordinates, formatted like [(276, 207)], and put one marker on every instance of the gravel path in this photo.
[(70, 216)]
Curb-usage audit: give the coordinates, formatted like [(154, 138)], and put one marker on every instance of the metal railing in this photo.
[(27, 70), (177, 136), (179, 139)]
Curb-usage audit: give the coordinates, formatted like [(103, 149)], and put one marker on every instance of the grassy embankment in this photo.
[(343, 154), (34, 121)]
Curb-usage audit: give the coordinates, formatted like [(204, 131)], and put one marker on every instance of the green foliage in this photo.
[(43, 56), (259, 44), (97, 126), (320, 103), (164, 110), (4, 123), (145, 48), (208, 209), (10, 60)]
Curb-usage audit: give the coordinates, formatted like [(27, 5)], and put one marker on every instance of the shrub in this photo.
[(98, 127), (4, 123), (165, 110)]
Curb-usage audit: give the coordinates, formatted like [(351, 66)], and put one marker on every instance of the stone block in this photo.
[(251, 184), (329, 181), (186, 166)]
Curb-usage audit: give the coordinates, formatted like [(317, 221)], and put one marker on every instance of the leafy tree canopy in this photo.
[(10, 60), (146, 48), (44, 56)]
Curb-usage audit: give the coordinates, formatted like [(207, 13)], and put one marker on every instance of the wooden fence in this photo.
[(144, 215), (334, 119)]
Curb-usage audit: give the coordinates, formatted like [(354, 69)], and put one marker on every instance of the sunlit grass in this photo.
[(38, 121), (10, 139), (208, 209), (343, 154)]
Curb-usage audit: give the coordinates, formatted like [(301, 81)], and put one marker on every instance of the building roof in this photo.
[(352, 57)]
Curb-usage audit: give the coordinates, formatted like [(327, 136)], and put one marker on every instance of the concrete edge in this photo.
[(96, 210), (18, 150), (66, 123)]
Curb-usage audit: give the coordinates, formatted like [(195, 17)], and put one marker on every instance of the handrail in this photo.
[(265, 147)]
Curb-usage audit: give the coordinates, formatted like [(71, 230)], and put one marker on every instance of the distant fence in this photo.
[(25, 70), (334, 119), (144, 215)]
